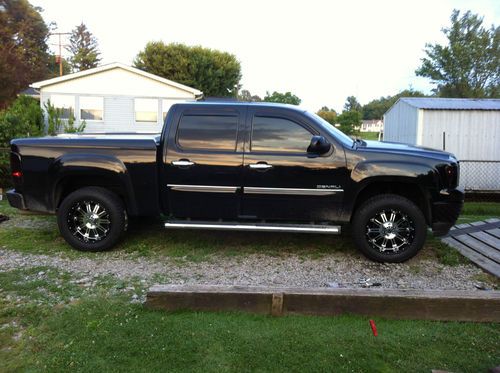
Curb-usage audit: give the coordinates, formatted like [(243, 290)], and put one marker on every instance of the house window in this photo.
[(91, 108), (66, 105), (146, 110)]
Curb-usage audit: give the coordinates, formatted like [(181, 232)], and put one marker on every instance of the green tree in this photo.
[(213, 72), (349, 122), (329, 115), (283, 98), (376, 109), (83, 48), (23, 48), (351, 103), (246, 96), (469, 66)]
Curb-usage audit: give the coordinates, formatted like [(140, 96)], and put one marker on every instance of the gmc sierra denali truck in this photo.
[(240, 166)]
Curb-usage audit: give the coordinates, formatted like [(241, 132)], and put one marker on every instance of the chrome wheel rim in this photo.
[(89, 221), (390, 231)]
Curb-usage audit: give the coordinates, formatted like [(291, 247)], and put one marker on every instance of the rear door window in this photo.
[(208, 132)]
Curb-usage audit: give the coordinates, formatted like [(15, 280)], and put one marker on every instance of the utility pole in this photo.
[(59, 58)]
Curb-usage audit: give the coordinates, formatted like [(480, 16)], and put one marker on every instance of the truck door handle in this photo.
[(260, 166), (183, 163)]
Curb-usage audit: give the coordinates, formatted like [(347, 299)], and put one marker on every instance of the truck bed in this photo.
[(128, 162)]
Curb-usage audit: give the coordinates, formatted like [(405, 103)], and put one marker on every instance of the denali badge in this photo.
[(333, 186)]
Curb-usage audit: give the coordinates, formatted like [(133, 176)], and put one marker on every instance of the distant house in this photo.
[(372, 125), (115, 98), (468, 128)]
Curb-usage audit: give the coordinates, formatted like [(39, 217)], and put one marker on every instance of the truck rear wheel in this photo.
[(92, 219), (389, 228)]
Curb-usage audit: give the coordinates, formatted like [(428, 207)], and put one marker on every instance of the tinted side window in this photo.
[(207, 132), (279, 135)]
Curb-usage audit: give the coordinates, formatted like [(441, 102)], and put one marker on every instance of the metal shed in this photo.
[(468, 128)]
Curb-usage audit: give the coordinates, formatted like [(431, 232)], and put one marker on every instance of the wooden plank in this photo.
[(478, 223), (483, 262), (479, 306), (494, 232), (479, 246), (464, 225), (488, 239), (473, 228), (493, 220), (277, 304)]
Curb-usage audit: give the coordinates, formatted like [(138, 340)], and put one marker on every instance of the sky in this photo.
[(320, 50)]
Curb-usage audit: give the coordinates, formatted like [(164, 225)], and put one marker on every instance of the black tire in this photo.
[(92, 219), (370, 228)]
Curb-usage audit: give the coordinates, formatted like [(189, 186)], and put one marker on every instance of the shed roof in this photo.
[(452, 103), (110, 66)]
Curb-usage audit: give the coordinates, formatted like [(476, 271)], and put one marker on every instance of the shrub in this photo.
[(53, 118), (70, 127), (24, 118), (55, 123)]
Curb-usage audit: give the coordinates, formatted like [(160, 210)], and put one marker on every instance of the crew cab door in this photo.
[(203, 162), (281, 180)]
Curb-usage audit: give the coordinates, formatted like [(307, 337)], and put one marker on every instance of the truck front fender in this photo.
[(420, 173), (382, 175)]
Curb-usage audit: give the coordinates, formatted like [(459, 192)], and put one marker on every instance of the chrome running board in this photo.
[(262, 227)]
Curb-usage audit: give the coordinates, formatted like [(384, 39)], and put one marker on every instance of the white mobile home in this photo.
[(115, 98), (468, 128)]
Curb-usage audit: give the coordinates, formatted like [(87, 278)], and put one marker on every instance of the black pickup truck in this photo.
[(240, 166)]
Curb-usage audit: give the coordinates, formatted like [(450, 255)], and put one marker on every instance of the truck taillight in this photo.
[(15, 166)]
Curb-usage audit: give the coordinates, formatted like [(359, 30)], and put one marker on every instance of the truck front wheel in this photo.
[(389, 228), (92, 219)]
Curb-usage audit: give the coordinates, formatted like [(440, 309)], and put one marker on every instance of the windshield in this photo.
[(339, 135)]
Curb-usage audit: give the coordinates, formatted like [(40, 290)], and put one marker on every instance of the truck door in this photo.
[(281, 180), (203, 162)]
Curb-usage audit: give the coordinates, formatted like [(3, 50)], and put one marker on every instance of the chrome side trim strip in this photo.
[(203, 188), (253, 190), (294, 191), (322, 229)]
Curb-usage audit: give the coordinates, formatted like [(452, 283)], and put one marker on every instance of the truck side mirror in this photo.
[(319, 145)]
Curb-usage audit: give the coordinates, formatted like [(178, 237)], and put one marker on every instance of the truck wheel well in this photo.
[(407, 190), (73, 183)]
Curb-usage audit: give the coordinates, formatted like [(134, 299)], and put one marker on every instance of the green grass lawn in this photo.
[(50, 323), (369, 135), (43, 328)]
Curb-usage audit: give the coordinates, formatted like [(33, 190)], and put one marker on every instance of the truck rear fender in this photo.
[(72, 171)]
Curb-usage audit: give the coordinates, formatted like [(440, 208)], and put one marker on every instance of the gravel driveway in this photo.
[(335, 270)]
